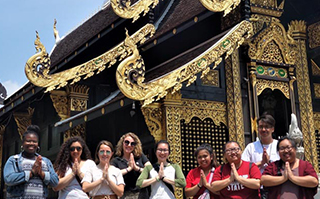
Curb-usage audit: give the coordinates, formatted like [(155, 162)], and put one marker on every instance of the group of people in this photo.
[(267, 168)]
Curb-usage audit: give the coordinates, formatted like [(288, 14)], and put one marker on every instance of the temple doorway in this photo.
[(277, 105)]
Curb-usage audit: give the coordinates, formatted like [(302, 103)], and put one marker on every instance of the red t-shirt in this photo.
[(236, 190), (193, 178)]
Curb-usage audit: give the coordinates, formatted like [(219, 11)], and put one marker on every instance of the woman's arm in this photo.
[(304, 181), (220, 184), (117, 189), (12, 175), (143, 180), (50, 177), (88, 186), (270, 181), (249, 182), (180, 180), (64, 181)]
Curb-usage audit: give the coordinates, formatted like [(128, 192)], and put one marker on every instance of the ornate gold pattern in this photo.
[(40, 76), (2, 130), (316, 90), (314, 36), (78, 97), (267, 7), (79, 130), (211, 79), (273, 38), (124, 9), (234, 102), (153, 116), (315, 68), (130, 72), (272, 71), (60, 103), (220, 5), (282, 86), (204, 109), (304, 94), (316, 116), (177, 109), (23, 120)]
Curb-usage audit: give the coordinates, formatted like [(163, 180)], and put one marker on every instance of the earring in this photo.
[(38, 149), (21, 148)]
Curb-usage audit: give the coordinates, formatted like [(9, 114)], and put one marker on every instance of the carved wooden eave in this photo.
[(37, 68), (275, 35), (130, 72), (219, 6), (128, 11), (267, 7)]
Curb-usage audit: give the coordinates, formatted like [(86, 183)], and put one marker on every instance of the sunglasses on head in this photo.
[(73, 148), (127, 143)]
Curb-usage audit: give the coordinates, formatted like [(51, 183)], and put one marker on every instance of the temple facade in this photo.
[(190, 72)]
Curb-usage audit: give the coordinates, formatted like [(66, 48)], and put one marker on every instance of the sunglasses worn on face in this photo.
[(102, 152), (127, 143), (75, 147)]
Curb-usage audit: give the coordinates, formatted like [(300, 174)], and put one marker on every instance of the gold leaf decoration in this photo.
[(124, 9), (38, 66), (130, 72), (220, 5)]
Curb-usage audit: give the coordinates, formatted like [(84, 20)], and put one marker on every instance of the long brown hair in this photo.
[(64, 158), (137, 151)]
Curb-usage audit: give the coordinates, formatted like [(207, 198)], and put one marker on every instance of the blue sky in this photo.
[(18, 22)]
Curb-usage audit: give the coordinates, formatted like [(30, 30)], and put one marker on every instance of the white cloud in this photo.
[(11, 86)]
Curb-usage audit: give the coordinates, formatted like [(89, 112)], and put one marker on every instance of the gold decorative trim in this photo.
[(315, 68), (316, 90), (40, 76), (234, 99), (78, 97), (272, 71), (269, 7), (316, 116), (273, 38), (124, 9), (304, 95), (211, 79), (23, 120), (60, 103), (219, 6), (153, 115), (130, 72), (204, 109), (282, 86), (313, 33)]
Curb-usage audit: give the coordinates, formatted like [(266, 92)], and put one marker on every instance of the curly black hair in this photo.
[(64, 158)]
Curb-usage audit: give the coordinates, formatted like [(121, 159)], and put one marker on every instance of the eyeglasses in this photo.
[(232, 150), (127, 143), (265, 127), (73, 148), (101, 152), (285, 148), (163, 150)]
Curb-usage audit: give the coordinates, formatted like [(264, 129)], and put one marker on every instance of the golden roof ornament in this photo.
[(267, 7), (38, 67), (219, 6), (130, 72), (124, 9), (55, 31)]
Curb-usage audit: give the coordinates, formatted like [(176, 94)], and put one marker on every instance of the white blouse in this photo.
[(103, 189)]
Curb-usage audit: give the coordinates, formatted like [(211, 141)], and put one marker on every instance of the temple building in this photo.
[(188, 71)]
